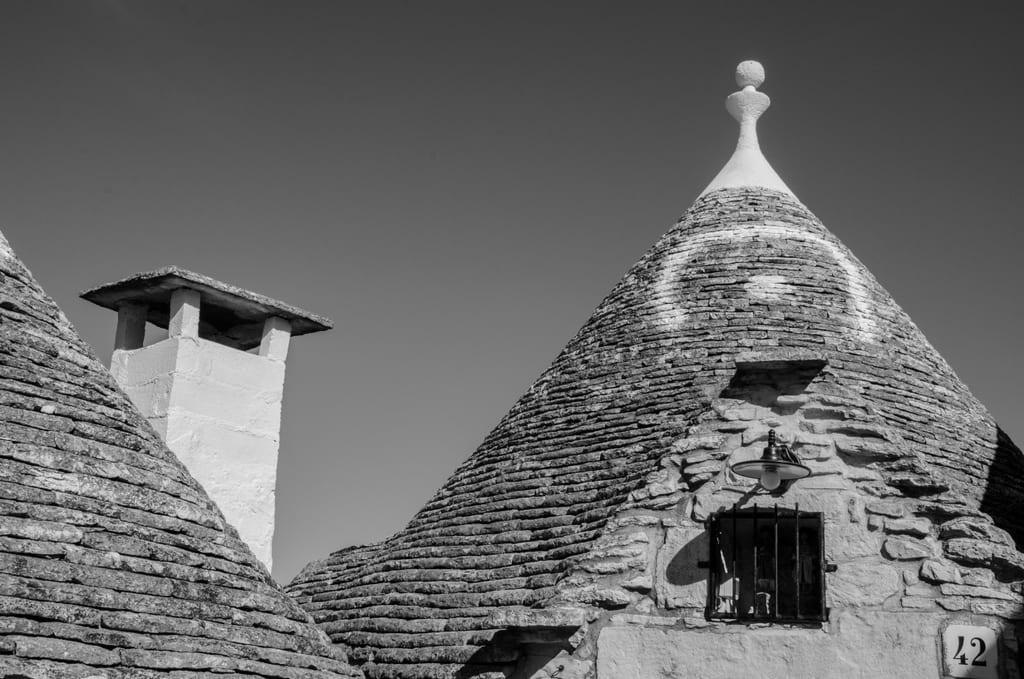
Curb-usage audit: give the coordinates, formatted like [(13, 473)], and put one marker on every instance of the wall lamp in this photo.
[(777, 464)]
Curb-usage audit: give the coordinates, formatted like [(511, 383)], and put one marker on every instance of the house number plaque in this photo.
[(970, 651)]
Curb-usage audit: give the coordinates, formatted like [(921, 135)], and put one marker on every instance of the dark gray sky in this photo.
[(458, 184)]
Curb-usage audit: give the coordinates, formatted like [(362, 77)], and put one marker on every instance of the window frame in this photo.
[(772, 516)]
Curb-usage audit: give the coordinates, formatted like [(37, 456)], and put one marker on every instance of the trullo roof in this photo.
[(114, 563), (747, 271)]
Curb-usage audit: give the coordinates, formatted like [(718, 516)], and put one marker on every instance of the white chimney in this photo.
[(213, 388)]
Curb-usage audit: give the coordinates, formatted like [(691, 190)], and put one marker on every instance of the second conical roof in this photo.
[(748, 271)]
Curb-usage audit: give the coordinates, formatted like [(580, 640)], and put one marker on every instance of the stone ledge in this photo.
[(531, 618), (775, 359)]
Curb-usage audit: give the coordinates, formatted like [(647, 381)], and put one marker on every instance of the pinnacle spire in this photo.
[(748, 166)]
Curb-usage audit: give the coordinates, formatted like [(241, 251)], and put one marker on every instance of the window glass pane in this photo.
[(809, 568)]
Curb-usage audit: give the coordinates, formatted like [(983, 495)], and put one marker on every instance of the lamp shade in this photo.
[(777, 464)]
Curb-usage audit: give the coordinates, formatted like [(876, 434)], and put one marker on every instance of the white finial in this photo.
[(748, 166), (750, 73)]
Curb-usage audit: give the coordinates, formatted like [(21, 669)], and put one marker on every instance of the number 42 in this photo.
[(961, 654)]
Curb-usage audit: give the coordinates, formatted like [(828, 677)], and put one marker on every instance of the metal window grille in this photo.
[(767, 564)]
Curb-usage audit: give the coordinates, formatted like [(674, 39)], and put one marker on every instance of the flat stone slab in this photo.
[(231, 310), (864, 646)]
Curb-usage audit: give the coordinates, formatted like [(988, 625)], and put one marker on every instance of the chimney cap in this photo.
[(234, 312)]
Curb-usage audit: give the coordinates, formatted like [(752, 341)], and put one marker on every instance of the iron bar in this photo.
[(796, 536), (821, 570), (735, 580), (753, 580), (775, 554)]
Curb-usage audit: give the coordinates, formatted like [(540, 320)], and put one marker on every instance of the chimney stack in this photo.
[(213, 388)]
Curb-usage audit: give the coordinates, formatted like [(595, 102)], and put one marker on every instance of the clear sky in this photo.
[(458, 184)]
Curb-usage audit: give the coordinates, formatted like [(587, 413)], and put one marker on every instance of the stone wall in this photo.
[(911, 558)]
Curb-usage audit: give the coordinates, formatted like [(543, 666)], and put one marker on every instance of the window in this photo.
[(766, 564)]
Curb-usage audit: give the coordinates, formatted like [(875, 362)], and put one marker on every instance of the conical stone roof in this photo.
[(114, 563), (748, 270)]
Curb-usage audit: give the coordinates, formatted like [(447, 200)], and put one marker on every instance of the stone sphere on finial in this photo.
[(749, 73)]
